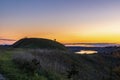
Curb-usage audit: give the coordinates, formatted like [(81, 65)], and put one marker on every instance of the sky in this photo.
[(67, 21)]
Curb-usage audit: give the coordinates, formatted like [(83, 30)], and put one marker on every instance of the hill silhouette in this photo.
[(38, 43)]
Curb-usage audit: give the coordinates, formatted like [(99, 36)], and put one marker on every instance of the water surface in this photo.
[(86, 52)]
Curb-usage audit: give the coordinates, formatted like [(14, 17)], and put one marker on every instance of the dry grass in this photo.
[(52, 60)]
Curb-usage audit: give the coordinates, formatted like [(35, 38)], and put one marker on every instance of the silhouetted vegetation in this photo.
[(72, 71), (27, 62)]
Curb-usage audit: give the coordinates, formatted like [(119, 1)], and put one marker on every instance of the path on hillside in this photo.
[(1, 77)]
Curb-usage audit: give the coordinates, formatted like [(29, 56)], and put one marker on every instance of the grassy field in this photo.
[(11, 70), (41, 64)]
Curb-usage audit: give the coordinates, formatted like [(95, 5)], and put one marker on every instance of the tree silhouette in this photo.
[(72, 71)]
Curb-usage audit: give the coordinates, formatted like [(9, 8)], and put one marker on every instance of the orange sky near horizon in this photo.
[(108, 33)]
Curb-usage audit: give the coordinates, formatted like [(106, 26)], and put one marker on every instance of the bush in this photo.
[(72, 71), (117, 70), (27, 62)]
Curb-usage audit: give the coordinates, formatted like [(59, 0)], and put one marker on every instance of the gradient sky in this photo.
[(64, 20)]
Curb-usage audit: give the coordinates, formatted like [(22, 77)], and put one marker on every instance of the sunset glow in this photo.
[(95, 21)]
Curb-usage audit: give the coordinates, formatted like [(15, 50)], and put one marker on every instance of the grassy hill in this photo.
[(21, 64), (38, 43), (49, 60)]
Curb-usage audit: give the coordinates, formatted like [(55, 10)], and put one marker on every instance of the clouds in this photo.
[(1, 39), (4, 41)]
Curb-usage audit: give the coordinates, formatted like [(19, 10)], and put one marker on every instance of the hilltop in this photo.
[(38, 43)]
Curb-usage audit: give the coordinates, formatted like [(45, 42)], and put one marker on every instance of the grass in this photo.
[(10, 70), (55, 65)]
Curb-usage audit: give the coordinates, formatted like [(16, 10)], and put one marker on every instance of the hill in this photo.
[(18, 64), (38, 43)]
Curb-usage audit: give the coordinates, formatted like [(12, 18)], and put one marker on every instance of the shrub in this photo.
[(72, 71), (53, 60), (117, 70), (27, 62)]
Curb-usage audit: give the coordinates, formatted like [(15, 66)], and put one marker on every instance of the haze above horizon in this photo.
[(67, 21)]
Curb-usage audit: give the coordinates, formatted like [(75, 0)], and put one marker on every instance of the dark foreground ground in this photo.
[(43, 64)]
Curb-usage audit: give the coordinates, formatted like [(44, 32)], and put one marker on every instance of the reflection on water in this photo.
[(86, 52)]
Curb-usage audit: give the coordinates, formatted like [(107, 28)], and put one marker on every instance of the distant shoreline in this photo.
[(93, 45)]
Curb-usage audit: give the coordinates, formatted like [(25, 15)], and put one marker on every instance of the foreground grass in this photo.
[(12, 72), (55, 64)]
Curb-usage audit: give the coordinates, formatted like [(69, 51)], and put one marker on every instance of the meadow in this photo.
[(43, 64)]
